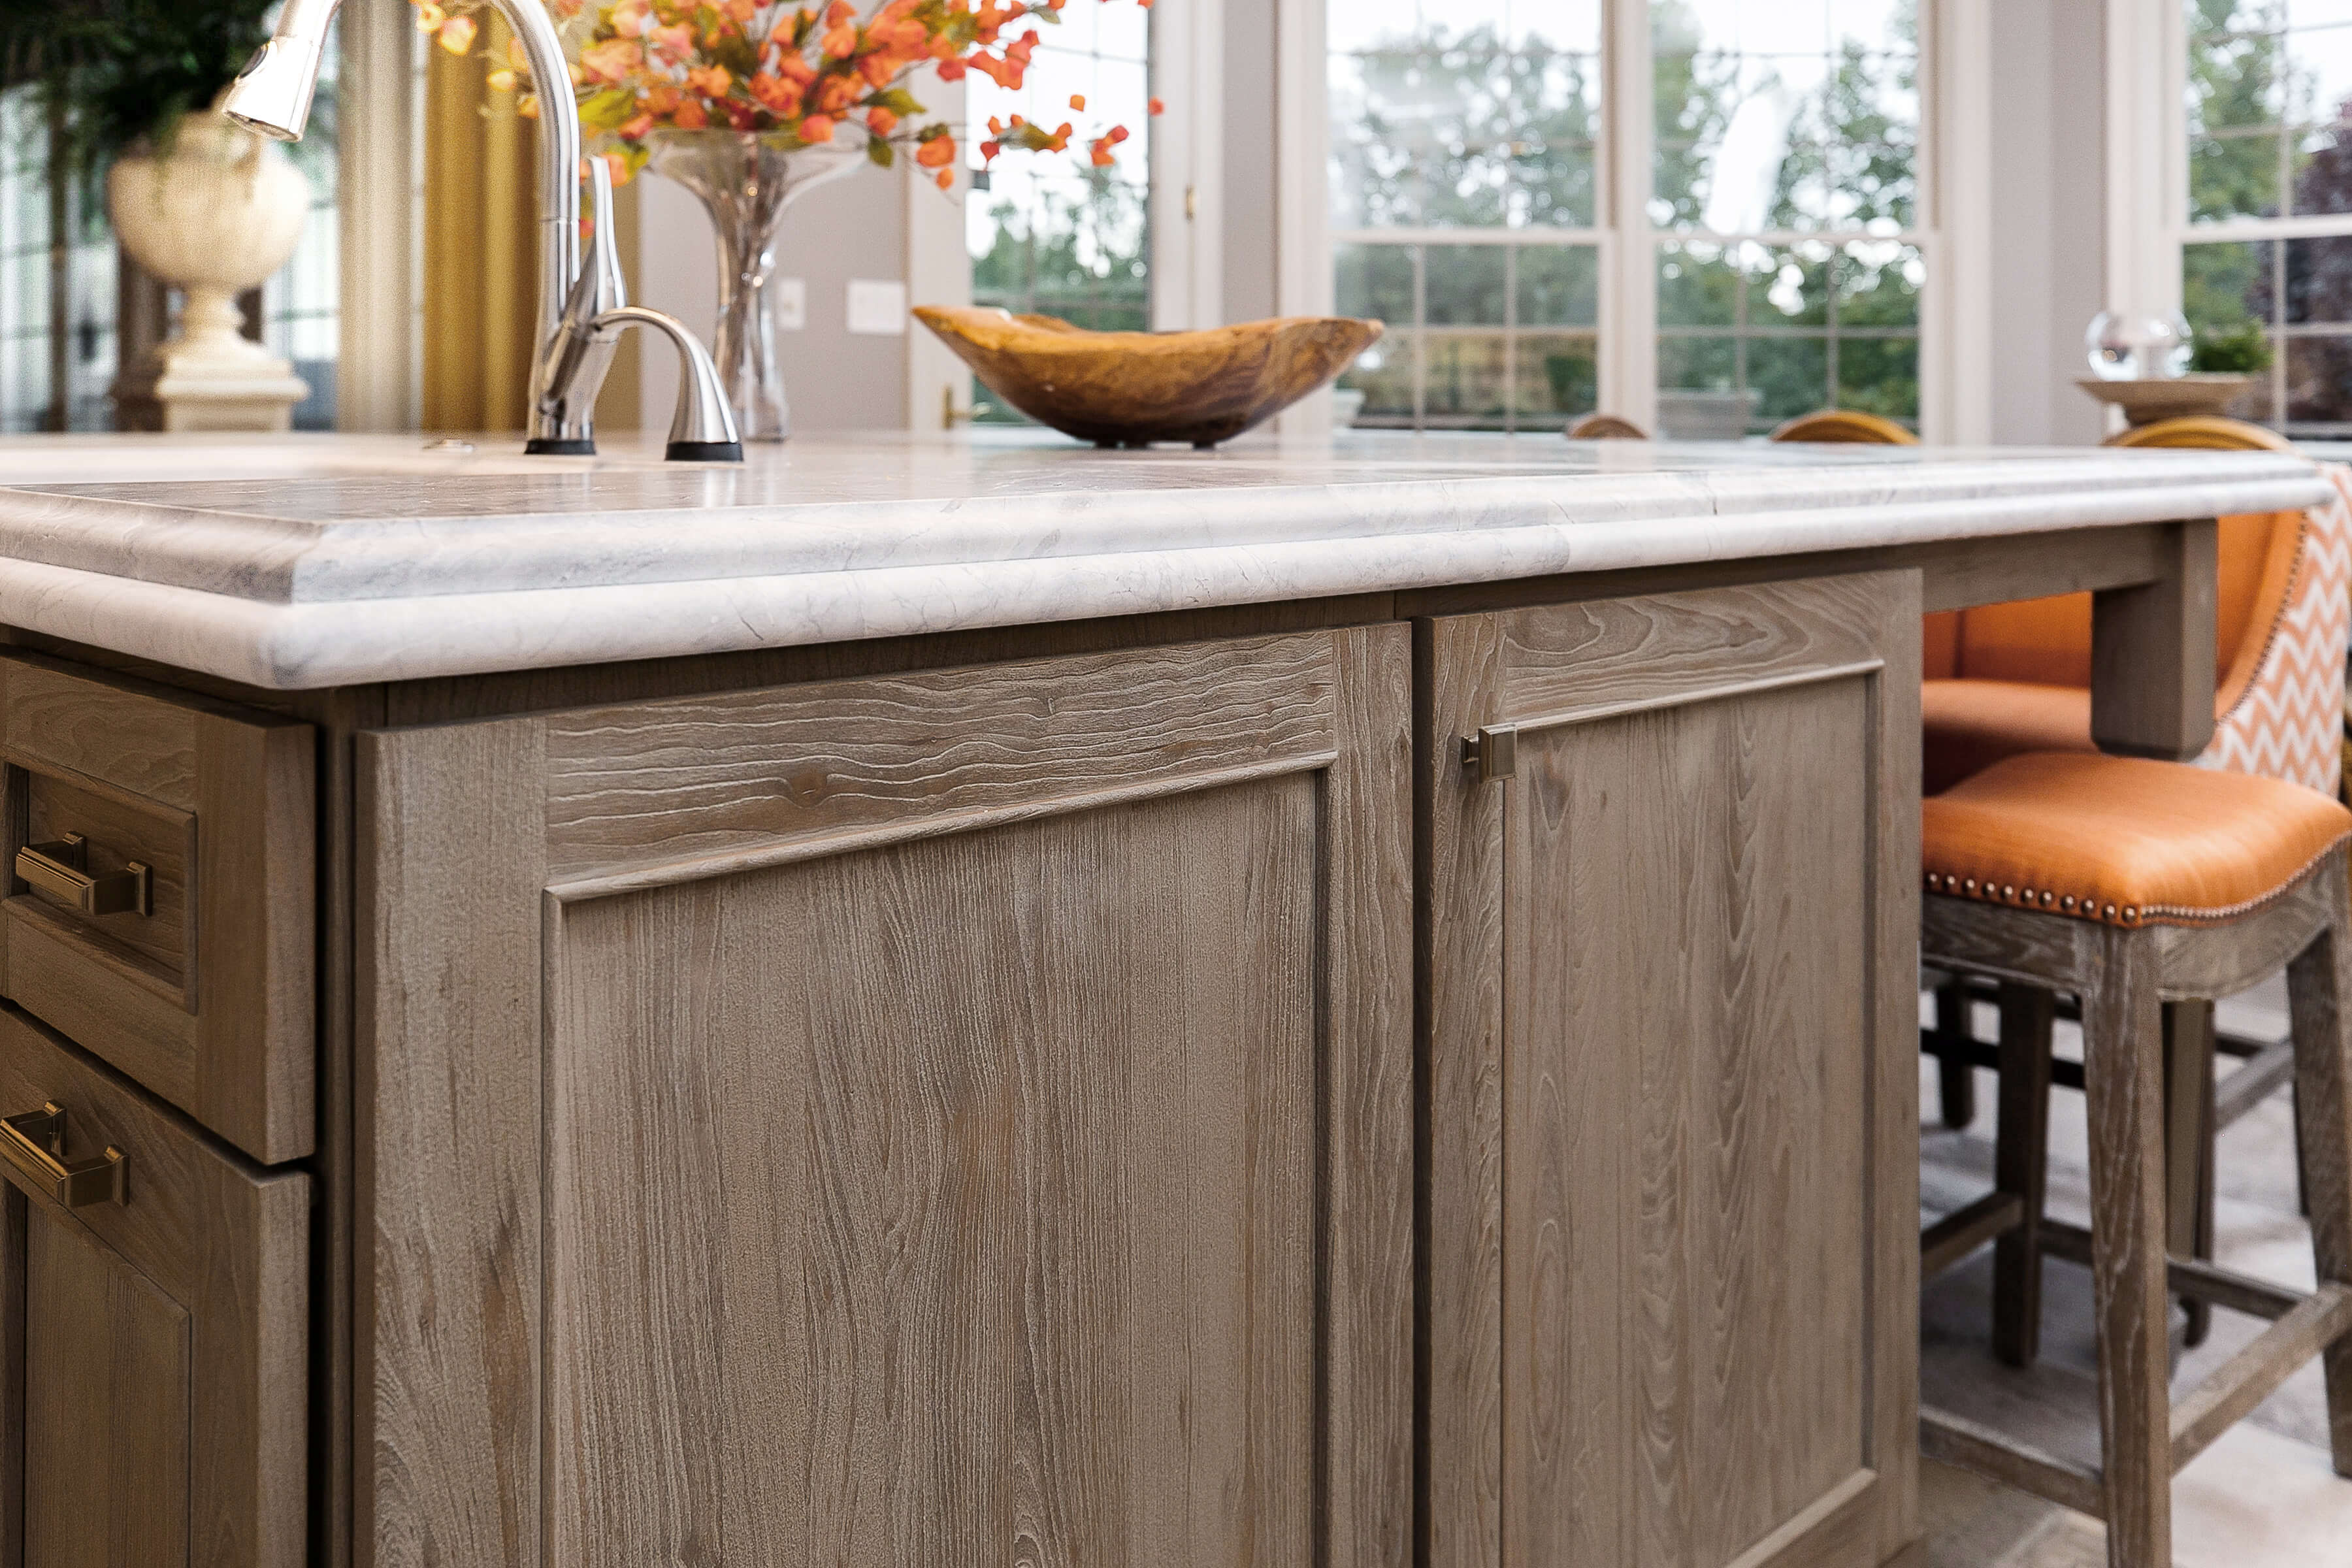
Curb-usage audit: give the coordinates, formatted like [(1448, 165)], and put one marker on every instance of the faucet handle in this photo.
[(702, 428)]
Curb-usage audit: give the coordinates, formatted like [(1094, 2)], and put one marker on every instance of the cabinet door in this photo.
[(955, 1118), (1672, 1207), (153, 1334)]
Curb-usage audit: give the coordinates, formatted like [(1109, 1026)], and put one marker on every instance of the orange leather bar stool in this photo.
[(2130, 883), (2007, 679), (1847, 427), (1606, 427)]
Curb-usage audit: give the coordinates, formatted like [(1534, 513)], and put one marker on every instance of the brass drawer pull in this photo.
[(58, 868), (35, 1142)]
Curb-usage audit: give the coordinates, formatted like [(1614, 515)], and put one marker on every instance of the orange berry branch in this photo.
[(790, 72)]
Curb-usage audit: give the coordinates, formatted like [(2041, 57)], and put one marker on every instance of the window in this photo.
[(1785, 146), (300, 306), (1770, 257), (54, 374), (1464, 192), (2267, 249)]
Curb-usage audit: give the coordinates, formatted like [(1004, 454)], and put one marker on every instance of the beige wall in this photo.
[(854, 227)]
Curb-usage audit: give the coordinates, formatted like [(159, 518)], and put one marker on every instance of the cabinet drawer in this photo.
[(155, 1417), (160, 854)]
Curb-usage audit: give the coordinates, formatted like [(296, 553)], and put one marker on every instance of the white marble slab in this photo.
[(320, 560)]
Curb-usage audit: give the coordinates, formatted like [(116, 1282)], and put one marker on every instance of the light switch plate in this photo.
[(877, 306), (788, 303)]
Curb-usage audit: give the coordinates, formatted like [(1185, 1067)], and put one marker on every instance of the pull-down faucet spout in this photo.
[(569, 358)]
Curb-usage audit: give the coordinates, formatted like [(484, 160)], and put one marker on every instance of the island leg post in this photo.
[(2152, 654)]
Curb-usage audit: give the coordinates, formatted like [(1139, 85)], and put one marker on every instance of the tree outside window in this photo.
[(2266, 266)]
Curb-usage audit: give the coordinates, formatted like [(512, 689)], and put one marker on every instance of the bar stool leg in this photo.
[(2188, 1138), (1956, 1081), (2022, 1165), (2123, 1071), (2319, 993)]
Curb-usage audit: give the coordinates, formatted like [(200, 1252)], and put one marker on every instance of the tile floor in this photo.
[(2262, 1497)]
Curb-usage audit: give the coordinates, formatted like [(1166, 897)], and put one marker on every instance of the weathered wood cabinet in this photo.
[(956, 1117), (153, 1335), (958, 1103), (1672, 1201)]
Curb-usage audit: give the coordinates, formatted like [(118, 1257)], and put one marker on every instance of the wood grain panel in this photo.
[(1459, 951), (1676, 938), (54, 715), (446, 1358), (225, 1249), (1560, 662), (676, 778), (1089, 1210), (101, 996), (257, 898), (107, 1417), (1367, 965), (1093, 1112), (1683, 1300)]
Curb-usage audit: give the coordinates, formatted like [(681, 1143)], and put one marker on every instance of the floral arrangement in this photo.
[(791, 73)]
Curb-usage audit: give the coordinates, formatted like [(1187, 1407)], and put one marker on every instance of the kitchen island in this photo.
[(982, 1001)]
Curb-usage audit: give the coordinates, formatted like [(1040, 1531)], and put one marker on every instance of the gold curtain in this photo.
[(481, 251)]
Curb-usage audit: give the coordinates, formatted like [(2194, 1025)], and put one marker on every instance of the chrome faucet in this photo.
[(582, 300)]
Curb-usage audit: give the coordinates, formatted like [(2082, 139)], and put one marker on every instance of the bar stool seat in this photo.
[(2124, 840), (2132, 884)]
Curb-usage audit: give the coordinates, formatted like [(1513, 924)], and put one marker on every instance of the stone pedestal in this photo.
[(210, 377)]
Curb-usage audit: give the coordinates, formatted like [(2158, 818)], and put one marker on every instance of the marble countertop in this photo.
[(320, 560)]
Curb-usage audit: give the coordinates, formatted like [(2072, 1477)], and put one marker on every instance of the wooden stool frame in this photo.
[(2124, 978), (2197, 1109)]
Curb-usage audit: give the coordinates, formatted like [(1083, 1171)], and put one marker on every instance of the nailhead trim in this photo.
[(2088, 907)]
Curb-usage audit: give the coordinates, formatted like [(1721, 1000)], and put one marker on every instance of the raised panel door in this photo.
[(1673, 1275), (959, 1118)]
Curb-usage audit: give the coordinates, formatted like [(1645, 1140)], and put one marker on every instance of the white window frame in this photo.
[(1954, 200), (2147, 200)]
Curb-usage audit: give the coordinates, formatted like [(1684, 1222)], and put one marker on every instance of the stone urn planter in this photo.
[(213, 213)]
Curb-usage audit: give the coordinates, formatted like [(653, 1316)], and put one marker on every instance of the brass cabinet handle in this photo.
[(58, 868), (35, 1142)]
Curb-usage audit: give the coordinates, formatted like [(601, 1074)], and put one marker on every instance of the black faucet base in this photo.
[(547, 446)]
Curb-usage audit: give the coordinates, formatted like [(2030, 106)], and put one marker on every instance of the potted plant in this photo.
[(750, 103), (205, 207)]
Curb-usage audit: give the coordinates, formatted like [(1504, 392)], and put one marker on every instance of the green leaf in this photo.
[(880, 151), (738, 56), (898, 101), (605, 111)]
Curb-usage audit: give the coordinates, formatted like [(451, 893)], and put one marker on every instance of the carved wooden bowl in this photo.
[(1131, 388)]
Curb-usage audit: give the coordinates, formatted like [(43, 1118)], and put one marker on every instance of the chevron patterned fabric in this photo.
[(2290, 721)]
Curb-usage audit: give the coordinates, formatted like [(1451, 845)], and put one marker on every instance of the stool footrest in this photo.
[(1956, 1440), (1961, 1232), (2251, 1375), (2065, 1072), (2186, 1277), (2266, 1071)]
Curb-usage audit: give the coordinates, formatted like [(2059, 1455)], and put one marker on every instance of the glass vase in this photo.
[(746, 183)]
